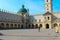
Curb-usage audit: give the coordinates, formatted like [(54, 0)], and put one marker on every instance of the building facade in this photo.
[(22, 19)]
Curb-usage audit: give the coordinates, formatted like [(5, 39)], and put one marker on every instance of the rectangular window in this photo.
[(35, 20), (47, 9)]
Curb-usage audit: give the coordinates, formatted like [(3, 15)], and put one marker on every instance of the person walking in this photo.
[(56, 29), (39, 29)]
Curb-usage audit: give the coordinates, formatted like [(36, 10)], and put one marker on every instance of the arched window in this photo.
[(48, 18), (47, 0)]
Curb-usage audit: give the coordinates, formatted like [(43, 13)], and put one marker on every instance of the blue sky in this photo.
[(34, 6)]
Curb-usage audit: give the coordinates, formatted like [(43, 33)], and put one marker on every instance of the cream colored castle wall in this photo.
[(37, 18)]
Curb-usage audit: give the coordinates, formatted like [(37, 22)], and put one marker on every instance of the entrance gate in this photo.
[(47, 26)]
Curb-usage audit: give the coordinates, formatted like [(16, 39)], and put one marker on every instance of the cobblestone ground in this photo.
[(29, 34)]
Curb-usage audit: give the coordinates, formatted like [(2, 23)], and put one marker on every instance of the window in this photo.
[(47, 7), (22, 21), (35, 20), (39, 20), (47, 0), (44, 17), (48, 18), (31, 20)]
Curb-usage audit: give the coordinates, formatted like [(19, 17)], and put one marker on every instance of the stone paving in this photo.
[(29, 34)]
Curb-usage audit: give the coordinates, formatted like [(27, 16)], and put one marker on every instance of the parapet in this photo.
[(2, 10)]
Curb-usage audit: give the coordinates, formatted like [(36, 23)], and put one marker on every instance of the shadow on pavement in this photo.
[(18, 29), (1, 39), (1, 35)]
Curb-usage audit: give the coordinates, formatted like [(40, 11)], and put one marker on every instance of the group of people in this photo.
[(39, 29)]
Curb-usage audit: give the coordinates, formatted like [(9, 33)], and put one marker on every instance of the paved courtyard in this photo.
[(29, 34)]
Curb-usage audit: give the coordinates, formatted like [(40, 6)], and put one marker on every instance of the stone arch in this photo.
[(11, 26), (18, 26), (47, 26), (36, 25), (40, 25), (55, 24), (21, 25), (26, 25), (15, 26), (7, 25), (2, 25), (29, 25), (32, 25)]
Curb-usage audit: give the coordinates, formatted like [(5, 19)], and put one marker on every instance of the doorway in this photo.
[(47, 26)]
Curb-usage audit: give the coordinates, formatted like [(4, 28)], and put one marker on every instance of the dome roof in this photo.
[(22, 10)]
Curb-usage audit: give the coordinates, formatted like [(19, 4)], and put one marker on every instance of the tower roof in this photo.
[(47, 13), (22, 10)]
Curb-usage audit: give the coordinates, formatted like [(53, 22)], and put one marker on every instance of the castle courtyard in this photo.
[(29, 34)]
